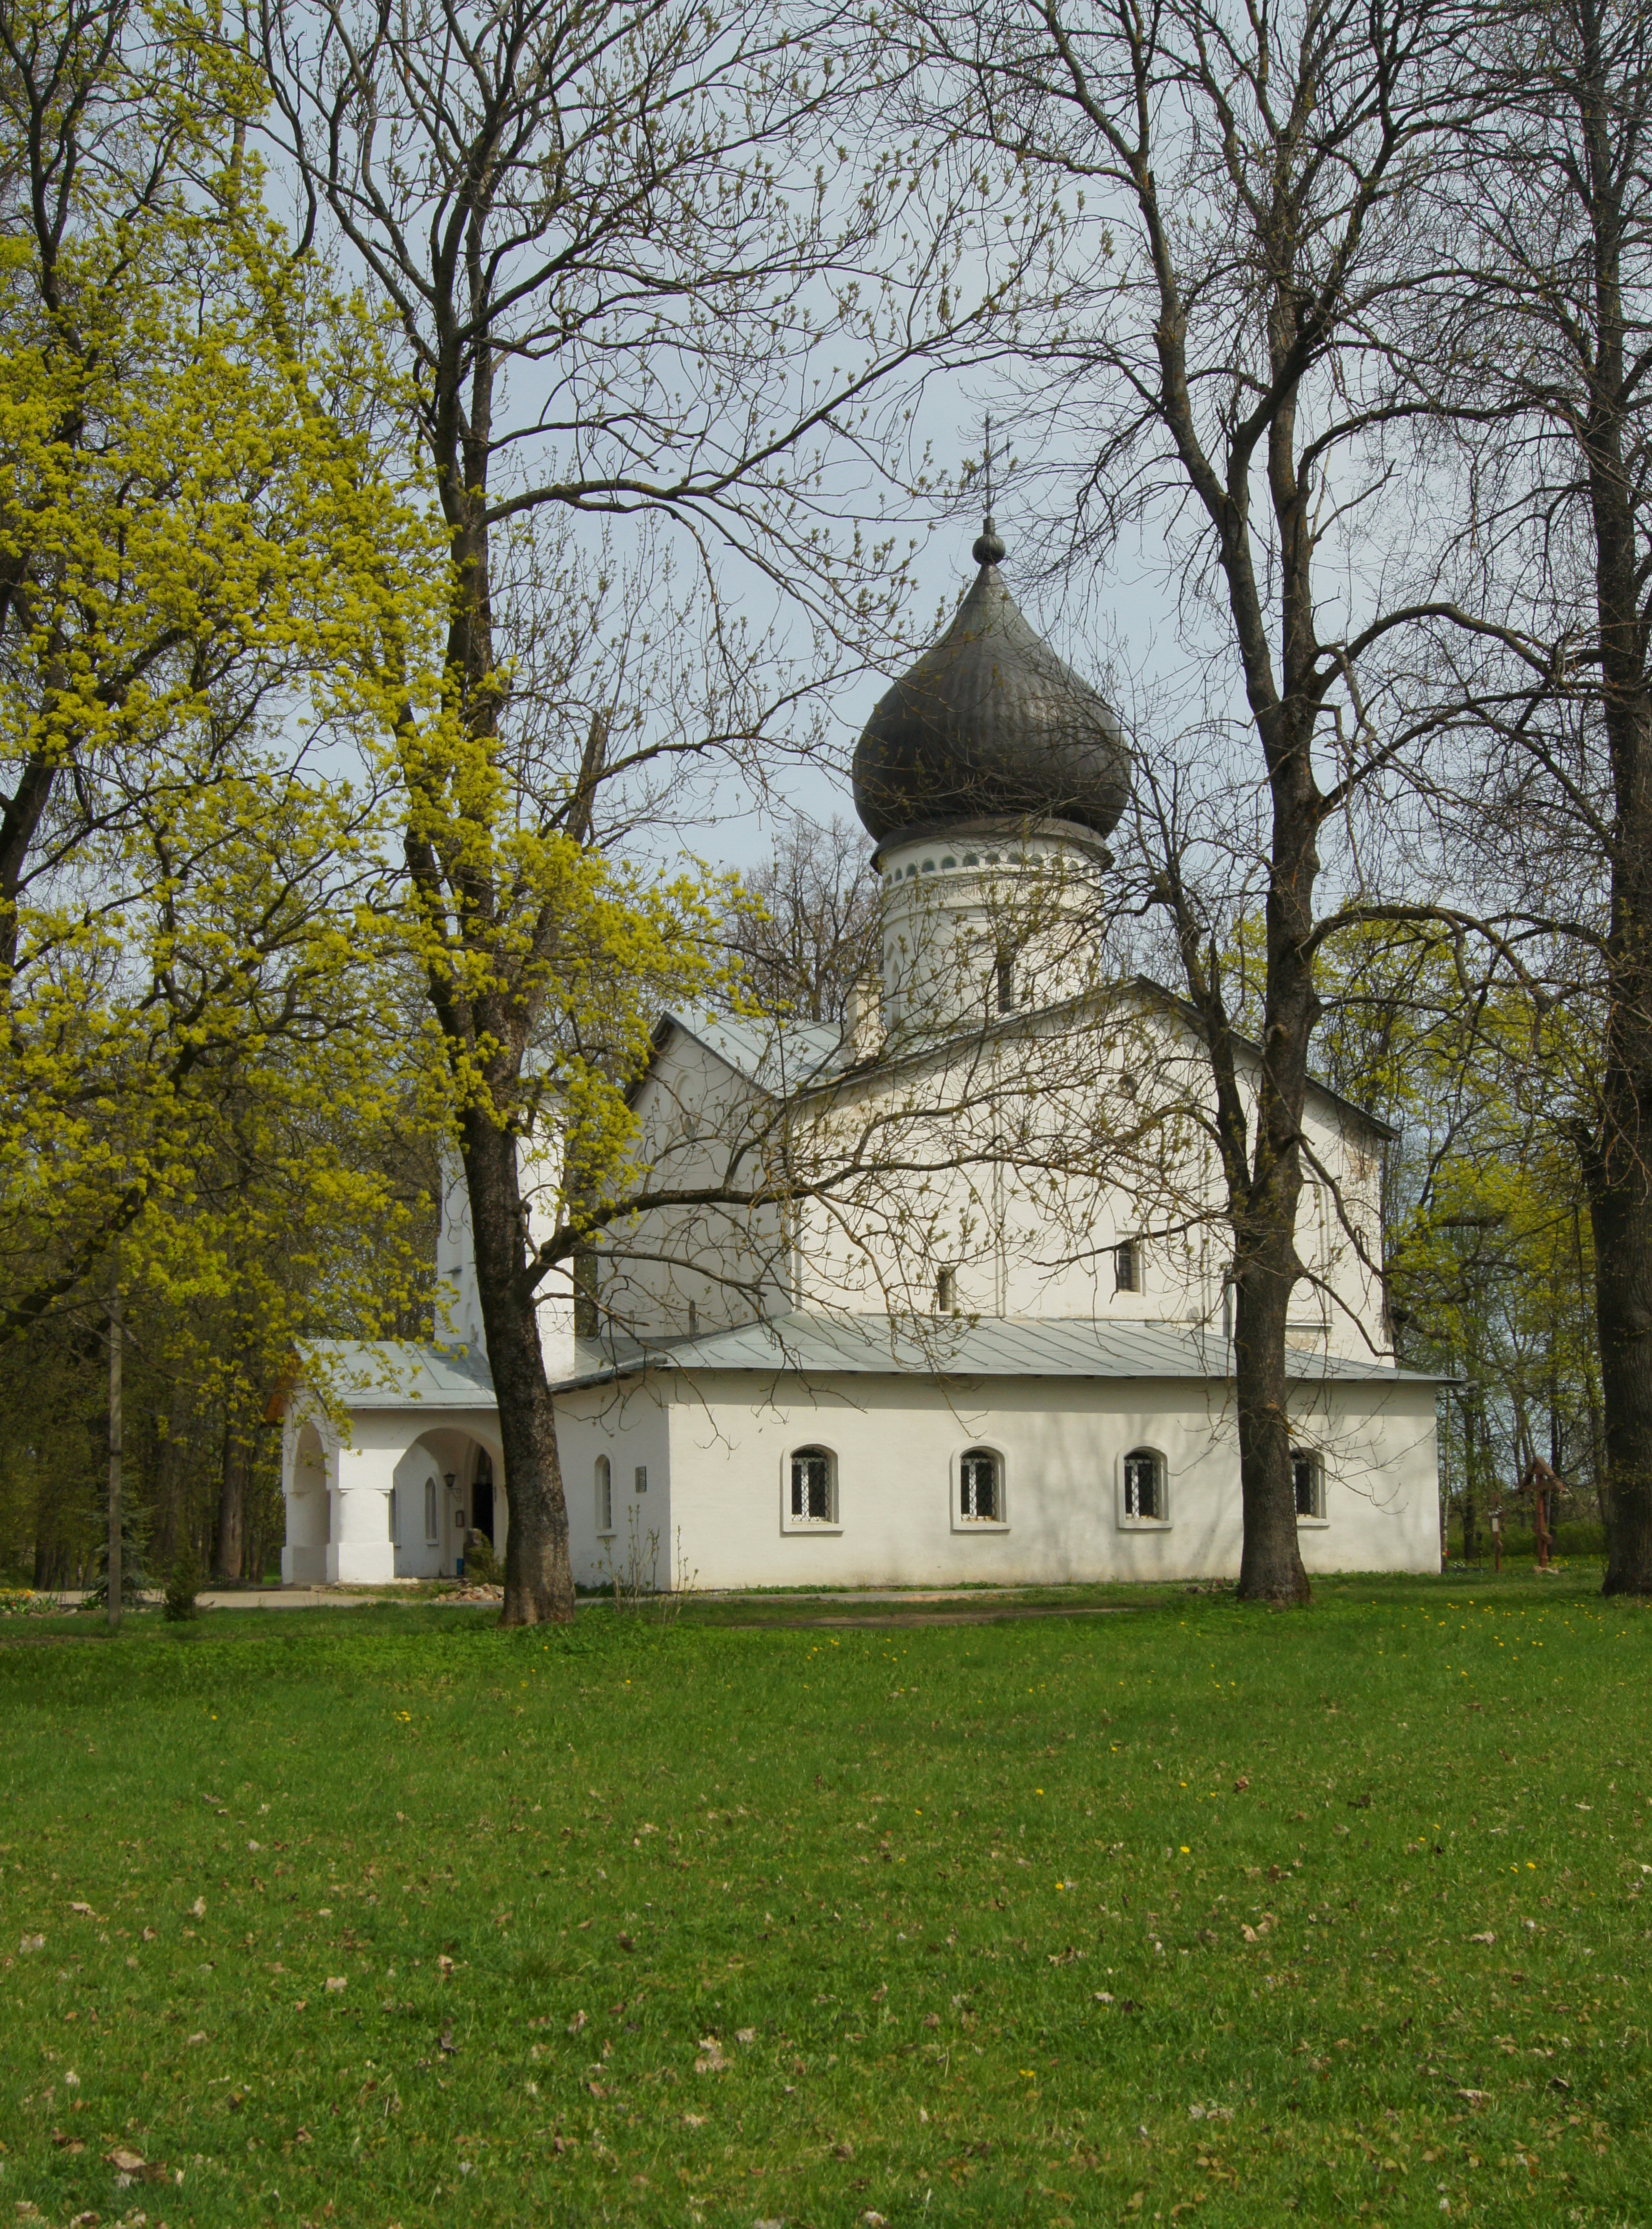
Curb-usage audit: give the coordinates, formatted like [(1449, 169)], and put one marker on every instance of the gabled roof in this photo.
[(1152, 987), (776, 1057), (949, 1348), (397, 1374)]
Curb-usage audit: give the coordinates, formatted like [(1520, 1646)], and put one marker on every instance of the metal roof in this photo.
[(803, 1056), (990, 723), (778, 1060), (396, 1374), (953, 1347)]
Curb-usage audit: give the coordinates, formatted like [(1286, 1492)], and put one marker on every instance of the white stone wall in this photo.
[(896, 1442), (728, 1264), (355, 1503), (631, 1425), (1098, 1119)]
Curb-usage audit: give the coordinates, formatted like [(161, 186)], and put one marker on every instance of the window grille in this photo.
[(812, 1486), (946, 1293), (640, 1478), (605, 1494), (1145, 1486), (1005, 983), (1127, 1266), (390, 1514), (433, 1533), (979, 1499), (1310, 1482)]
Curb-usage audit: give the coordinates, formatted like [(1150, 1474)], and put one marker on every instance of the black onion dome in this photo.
[(989, 724)]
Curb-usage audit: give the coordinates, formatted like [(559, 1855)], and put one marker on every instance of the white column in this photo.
[(359, 1553)]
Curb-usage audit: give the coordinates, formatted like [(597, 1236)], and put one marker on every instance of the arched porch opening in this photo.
[(445, 1486), (310, 1512)]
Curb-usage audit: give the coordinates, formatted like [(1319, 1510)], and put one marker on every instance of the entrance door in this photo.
[(482, 1496)]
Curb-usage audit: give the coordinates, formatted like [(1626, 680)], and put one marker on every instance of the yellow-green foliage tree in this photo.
[(1487, 1250), (199, 1046)]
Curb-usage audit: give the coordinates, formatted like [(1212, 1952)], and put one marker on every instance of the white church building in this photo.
[(975, 1325)]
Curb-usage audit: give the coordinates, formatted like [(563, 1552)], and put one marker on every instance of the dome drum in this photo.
[(988, 841)]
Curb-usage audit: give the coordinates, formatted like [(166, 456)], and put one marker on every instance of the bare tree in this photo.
[(1241, 191), (1548, 313), (639, 282), (807, 933)]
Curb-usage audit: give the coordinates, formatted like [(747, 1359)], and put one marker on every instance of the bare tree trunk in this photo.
[(1221, 356), (1620, 1214), (1566, 182), (230, 1538), (539, 1576), (166, 1496), (1620, 1183), (1271, 1567)]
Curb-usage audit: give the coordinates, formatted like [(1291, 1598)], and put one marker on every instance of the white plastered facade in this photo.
[(718, 1505), (389, 1496)]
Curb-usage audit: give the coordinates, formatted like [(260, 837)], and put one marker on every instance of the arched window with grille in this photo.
[(1307, 1476), (604, 1495), (981, 1488), (812, 1498), (1144, 1498)]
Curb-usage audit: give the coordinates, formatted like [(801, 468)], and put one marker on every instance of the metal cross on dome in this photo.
[(989, 549), (986, 464)]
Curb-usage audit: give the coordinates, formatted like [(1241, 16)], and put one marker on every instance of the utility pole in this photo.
[(114, 1572)]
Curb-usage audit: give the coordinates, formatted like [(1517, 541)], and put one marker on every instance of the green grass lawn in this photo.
[(1187, 1913)]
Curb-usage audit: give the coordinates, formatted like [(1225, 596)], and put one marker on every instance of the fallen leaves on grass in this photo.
[(132, 2167)]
